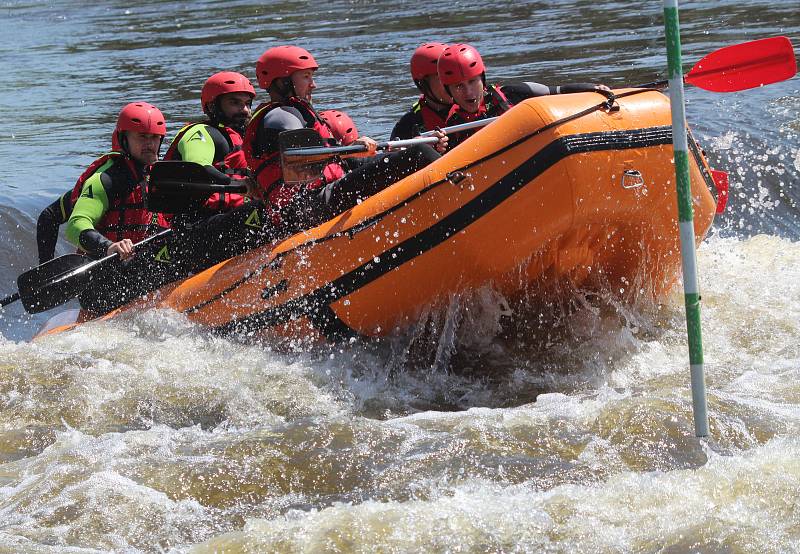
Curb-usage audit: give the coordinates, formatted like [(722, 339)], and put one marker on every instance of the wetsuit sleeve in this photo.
[(222, 201), (406, 127), (205, 145), (48, 224), (576, 87), (197, 145), (518, 92), (89, 209)]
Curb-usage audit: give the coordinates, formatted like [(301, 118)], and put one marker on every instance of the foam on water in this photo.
[(561, 429), (147, 432), (720, 507), (93, 492)]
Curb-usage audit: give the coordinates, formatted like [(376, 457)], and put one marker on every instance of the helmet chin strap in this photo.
[(213, 110), (285, 87), (123, 143), (425, 88), (216, 114)]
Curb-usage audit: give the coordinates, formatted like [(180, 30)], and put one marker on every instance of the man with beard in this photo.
[(109, 215), (216, 143), (111, 180)]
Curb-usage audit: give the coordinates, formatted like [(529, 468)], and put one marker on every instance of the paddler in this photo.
[(287, 74), (463, 75), (109, 215), (216, 142), (430, 111)]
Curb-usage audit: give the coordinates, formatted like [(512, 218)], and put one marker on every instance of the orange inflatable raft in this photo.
[(558, 189)]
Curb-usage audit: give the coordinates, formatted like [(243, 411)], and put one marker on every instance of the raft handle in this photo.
[(611, 100), (632, 178), (455, 178)]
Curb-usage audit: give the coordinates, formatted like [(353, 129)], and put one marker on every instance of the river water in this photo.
[(147, 434)]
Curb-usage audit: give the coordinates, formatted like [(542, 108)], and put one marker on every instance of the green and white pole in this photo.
[(686, 217)]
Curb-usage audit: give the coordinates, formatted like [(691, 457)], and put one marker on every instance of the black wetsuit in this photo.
[(412, 124), (50, 220)]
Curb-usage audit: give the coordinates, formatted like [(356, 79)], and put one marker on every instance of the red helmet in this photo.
[(224, 83), (424, 58), (282, 61), (141, 117), (344, 130), (459, 62)]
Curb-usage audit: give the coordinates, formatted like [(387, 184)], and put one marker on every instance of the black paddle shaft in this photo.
[(9, 299), (61, 279), (178, 187)]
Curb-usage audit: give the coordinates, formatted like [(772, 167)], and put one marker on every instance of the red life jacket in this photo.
[(126, 217), (266, 165), (430, 118), (494, 103), (233, 164)]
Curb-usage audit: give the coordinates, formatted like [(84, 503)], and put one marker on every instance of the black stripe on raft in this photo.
[(443, 229)]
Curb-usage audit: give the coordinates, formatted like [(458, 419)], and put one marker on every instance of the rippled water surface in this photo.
[(147, 434)]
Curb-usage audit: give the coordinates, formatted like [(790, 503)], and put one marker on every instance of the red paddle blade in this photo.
[(743, 66)]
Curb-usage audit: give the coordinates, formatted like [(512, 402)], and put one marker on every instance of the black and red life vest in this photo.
[(126, 217), (266, 163), (431, 119), (234, 164)]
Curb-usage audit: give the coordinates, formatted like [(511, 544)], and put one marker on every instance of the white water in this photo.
[(574, 435), (147, 434)]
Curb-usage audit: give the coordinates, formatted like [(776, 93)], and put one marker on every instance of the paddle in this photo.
[(308, 169), (741, 66), (9, 299), (55, 282), (729, 69), (461, 127), (174, 186), (343, 151)]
